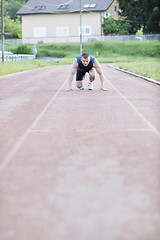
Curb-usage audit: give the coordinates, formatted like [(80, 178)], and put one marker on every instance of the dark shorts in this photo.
[(80, 75)]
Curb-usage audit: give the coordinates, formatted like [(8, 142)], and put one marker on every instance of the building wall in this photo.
[(49, 23), (112, 9)]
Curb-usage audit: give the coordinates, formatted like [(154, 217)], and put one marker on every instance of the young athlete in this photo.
[(82, 65)]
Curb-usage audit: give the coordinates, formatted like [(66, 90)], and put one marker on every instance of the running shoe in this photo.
[(90, 85), (82, 88)]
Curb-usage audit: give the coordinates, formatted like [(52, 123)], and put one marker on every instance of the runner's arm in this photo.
[(98, 69), (72, 73)]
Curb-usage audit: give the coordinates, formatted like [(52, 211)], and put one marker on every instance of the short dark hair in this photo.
[(85, 55)]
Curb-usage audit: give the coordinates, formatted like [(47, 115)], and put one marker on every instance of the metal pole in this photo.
[(101, 25), (80, 27), (2, 31)]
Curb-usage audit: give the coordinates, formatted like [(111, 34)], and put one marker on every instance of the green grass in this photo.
[(102, 49), (140, 57), (149, 67), (13, 67), (130, 48)]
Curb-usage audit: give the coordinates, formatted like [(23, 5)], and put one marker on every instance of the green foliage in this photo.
[(146, 67), (46, 53), (99, 49), (141, 13), (140, 31), (12, 22), (13, 67), (112, 26), (130, 48), (56, 50), (12, 6), (12, 27), (22, 49)]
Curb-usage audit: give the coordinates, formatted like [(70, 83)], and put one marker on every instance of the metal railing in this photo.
[(89, 38), (17, 57)]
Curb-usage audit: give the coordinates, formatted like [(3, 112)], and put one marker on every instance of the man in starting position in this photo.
[(82, 65)]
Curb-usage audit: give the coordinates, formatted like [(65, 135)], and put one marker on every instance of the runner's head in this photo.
[(85, 59)]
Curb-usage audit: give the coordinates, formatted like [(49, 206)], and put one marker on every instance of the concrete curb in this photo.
[(136, 75)]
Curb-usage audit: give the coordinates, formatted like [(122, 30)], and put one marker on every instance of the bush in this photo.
[(47, 53), (22, 49), (57, 50)]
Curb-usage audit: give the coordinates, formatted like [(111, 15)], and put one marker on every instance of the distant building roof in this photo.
[(63, 6)]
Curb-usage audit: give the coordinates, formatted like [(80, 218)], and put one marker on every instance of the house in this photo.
[(51, 21)]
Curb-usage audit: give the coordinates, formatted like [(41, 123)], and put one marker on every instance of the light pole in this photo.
[(2, 30), (80, 27)]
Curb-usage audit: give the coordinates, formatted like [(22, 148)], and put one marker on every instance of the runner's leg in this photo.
[(79, 84), (92, 75), (79, 79)]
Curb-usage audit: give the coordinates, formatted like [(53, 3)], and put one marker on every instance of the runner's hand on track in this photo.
[(103, 89), (69, 89)]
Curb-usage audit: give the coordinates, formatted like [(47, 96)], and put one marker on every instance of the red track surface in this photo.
[(79, 165)]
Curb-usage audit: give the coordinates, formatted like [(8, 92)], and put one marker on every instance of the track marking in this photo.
[(136, 110), (38, 130), (143, 108), (139, 129), (17, 146)]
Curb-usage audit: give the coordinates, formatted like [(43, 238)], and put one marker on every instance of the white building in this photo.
[(52, 21)]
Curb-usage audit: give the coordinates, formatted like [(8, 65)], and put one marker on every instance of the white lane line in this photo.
[(139, 129), (39, 131), (136, 110), (15, 149)]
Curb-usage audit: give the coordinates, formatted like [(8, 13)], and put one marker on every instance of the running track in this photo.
[(79, 165)]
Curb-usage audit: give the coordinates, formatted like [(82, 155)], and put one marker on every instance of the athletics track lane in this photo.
[(79, 165)]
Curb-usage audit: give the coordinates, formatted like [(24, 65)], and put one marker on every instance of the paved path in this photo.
[(79, 165)]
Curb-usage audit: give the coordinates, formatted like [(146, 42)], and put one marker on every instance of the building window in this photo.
[(39, 8), (39, 32), (86, 5), (64, 6), (115, 8), (89, 5), (92, 5), (86, 30), (62, 31)]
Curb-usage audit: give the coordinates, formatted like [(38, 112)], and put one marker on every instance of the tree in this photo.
[(112, 26), (13, 27), (12, 22), (141, 14), (12, 6)]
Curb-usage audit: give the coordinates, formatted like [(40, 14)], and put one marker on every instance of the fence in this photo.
[(17, 57), (76, 39)]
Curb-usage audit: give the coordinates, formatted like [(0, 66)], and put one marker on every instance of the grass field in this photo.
[(146, 67), (101, 49), (13, 67), (135, 56)]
